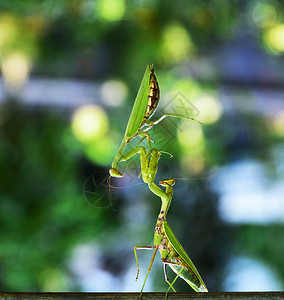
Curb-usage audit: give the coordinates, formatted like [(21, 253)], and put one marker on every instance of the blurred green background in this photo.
[(70, 71)]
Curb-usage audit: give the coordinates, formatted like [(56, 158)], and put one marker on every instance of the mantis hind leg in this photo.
[(166, 262), (149, 269), (150, 266), (136, 258), (171, 284), (167, 279)]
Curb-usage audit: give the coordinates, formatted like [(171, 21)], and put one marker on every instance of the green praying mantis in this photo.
[(144, 107), (172, 253)]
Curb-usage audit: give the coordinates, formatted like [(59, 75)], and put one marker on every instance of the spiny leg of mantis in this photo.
[(119, 156), (149, 165), (148, 161)]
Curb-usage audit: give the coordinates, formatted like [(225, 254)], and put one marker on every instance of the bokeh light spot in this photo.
[(192, 142), (114, 92), (8, 31), (188, 87), (89, 123), (278, 124), (15, 69), (274, 38), (264, 14), (52, 280), (192, 164), (190, 137), (210, 109), (176, 43), (101, 152), (111, 10)]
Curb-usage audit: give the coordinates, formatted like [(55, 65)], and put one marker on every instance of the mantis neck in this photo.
[(167, 199), (166, 202)]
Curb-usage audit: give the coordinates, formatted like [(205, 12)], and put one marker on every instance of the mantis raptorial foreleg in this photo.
[(123, 157), (149, 166), (150, 124), (148, 160), (138, 149)]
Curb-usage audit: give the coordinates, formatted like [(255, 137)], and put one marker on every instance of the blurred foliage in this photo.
[(43, 215), (49, 157)]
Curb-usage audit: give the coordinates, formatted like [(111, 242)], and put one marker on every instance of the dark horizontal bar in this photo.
[(152, 296)]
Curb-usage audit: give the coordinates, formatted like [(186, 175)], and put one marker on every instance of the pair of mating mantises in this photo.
[(172, 253)]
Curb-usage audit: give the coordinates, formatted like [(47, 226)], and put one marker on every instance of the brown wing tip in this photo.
[(203, 288)]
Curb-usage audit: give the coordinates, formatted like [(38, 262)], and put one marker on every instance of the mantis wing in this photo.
[(189, 273), (140, 105)]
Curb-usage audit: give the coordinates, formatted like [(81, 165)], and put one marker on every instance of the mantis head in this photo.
[(167, 182), (115, 173)]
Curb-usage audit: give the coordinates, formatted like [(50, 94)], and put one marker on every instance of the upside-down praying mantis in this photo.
[(172, 253), (144, 107)]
